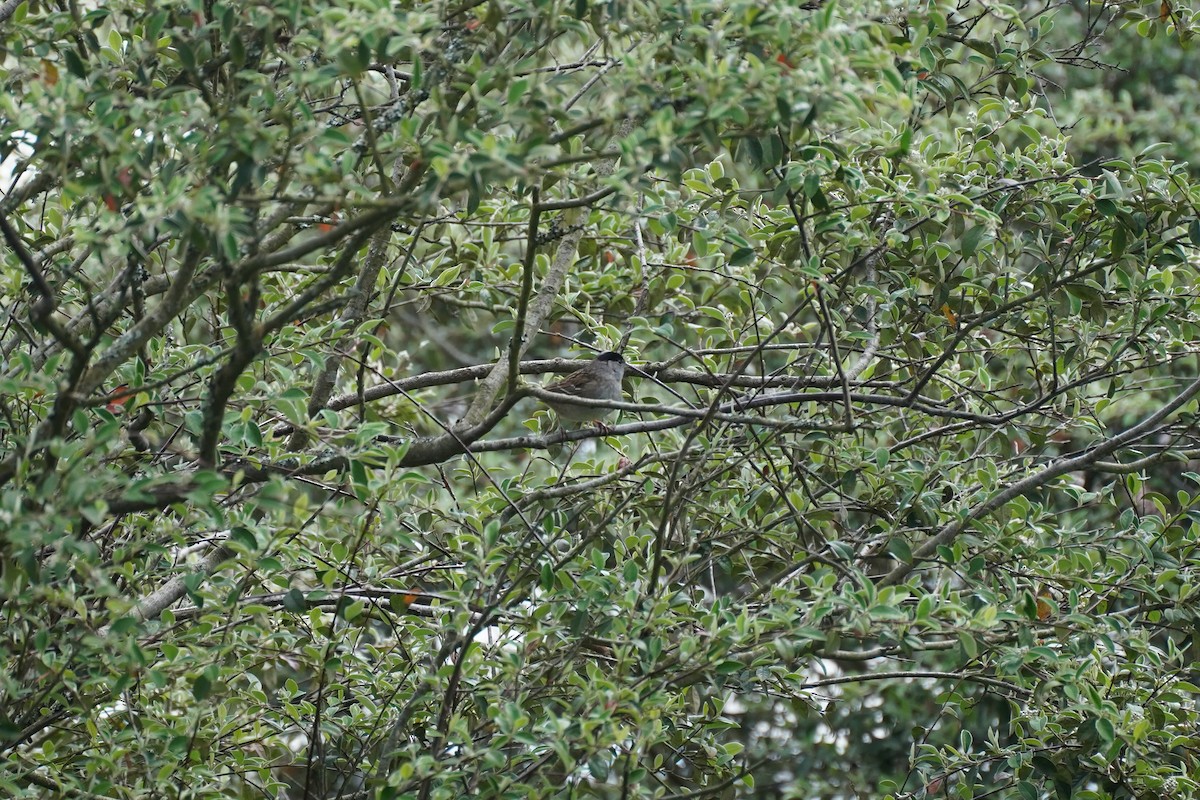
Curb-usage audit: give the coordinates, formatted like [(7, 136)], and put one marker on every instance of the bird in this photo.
[(599, 379)]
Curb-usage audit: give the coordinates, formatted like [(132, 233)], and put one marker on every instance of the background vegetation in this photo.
[(900, 503)]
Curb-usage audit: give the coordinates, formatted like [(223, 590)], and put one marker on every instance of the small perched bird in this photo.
[(598, 380)]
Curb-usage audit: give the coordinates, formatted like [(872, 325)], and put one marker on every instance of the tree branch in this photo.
[(949, 532)]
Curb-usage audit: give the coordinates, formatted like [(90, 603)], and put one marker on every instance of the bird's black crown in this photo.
[(610, 356)]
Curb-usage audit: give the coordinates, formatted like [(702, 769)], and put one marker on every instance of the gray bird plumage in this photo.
[(600, 379)]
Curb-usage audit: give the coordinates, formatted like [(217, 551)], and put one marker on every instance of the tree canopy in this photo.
[(900, 501)]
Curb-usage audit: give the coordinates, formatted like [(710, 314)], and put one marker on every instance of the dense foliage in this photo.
[(899, 503)]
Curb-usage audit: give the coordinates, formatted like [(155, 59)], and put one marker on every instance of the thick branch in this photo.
[(154, 603), (543, 301), (1040, 478), (352, 314)]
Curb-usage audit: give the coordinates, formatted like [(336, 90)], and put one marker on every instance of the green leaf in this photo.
[(294, 601), (187, 55), (359, 479), (202, 687), (742, 256), (517, 90), (899, 548), (244, 539), (448, 275), (972, 239)]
